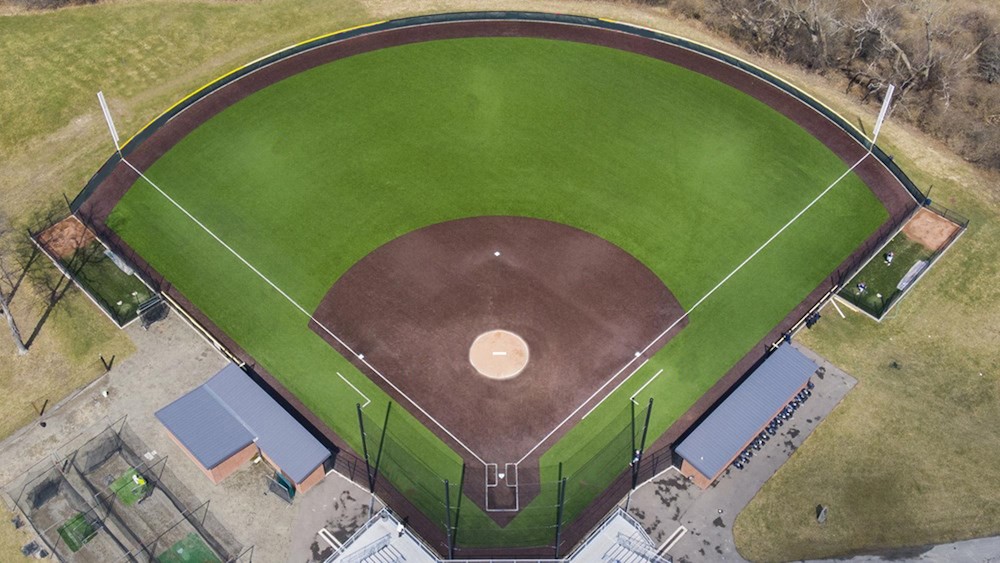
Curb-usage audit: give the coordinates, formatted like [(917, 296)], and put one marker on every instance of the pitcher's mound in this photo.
[(499, 354)]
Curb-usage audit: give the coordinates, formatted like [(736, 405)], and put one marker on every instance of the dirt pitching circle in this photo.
[(499, 354)]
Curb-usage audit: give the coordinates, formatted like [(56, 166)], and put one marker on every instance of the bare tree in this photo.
[(10, 279)]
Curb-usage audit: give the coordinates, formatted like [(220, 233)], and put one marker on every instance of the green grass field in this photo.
[(191, 549), (127, 490), (76, 532), (881, 279), (120, 293), (686, 174)]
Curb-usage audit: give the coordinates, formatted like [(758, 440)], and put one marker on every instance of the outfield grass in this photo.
[(688, 175)]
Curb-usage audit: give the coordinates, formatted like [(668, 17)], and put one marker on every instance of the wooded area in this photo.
[(943, 57)]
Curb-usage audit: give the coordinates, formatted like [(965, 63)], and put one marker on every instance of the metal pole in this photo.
[(381, 441), (642, 445), (447, 514), (559, 510), (883, 112), (111, 123), (364, 448), (631, 405), (633, 451)]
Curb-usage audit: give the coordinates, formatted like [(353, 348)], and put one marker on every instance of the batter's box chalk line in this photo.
[(509, 479)]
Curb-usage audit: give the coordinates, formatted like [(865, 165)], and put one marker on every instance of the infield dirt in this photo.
[(412, 307)]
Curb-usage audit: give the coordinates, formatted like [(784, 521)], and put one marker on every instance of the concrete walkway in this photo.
[(697, 524), (982, 550)]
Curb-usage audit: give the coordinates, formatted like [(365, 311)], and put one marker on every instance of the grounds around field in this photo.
[(905, 459), (957, 304)]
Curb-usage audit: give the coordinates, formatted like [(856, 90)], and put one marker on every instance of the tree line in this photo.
[(943, 56)]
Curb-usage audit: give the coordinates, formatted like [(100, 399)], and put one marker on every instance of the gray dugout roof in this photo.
[(734, 423), (229, 412)]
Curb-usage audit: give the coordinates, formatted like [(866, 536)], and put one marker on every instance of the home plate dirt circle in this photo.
[(499, 354)]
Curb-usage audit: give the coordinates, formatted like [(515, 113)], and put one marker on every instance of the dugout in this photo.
[(709, 449), (229, 420)]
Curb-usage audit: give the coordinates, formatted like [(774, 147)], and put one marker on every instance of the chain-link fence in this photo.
[(101, 501), (556, 505)]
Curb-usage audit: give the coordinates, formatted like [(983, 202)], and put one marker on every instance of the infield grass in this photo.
[(686, 174)]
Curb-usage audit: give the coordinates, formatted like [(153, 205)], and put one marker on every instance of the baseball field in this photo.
[(260, 211)]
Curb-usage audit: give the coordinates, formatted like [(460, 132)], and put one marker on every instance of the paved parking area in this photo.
[(698, 524)]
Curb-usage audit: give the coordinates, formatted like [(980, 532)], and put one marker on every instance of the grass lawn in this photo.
[(127, 490), (63, 357), (665, 163), (76, 532), (191, 549), (910, 457), (881, 279), (12, 540)]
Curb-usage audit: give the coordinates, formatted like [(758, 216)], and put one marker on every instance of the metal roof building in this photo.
[(734, 423), (229, 419)]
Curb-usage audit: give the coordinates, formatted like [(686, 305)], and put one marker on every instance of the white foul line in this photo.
[(360, 357), (367, 400), (693, 307), (655, 375), (583, 404)]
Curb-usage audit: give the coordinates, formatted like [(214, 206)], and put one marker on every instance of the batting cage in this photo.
[(101, 501)]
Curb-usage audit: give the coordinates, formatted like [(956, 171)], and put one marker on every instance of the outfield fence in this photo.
[(193, 98)]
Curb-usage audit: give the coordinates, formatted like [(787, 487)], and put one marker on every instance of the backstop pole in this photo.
[(642, 446), (381, 443), (560, 498), (364, 448), (447, 519)]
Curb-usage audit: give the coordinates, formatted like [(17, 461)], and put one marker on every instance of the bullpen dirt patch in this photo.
[(930, 229), (65, 237), (414, 306)]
